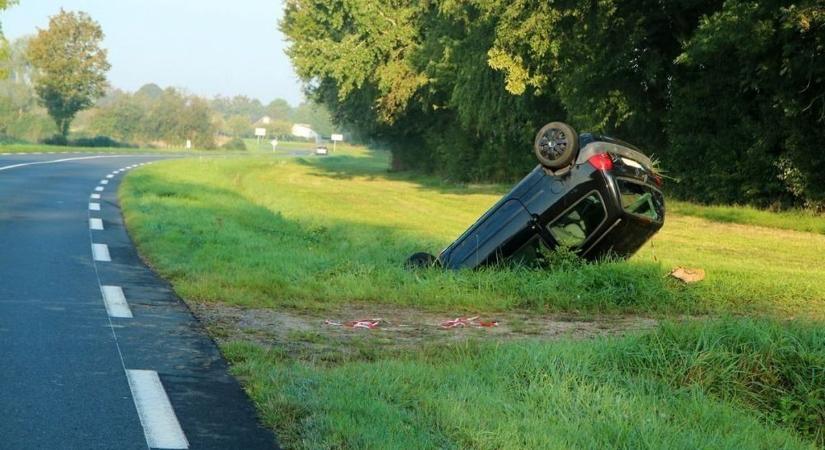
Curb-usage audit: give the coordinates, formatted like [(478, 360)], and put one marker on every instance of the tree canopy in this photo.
[(727, 95), (70, 66), (4, 45)]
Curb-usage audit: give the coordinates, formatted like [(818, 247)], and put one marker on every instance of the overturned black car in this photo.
[(594, 194)]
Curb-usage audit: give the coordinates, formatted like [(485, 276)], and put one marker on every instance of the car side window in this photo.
[(640, 200), (573, 227)]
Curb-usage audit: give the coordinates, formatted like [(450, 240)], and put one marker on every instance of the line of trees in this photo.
[(55, 81), (728, 95)]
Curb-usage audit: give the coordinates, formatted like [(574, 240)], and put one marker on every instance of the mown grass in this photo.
[(733, 384), (312, 232), (799, 220), (318, 232)]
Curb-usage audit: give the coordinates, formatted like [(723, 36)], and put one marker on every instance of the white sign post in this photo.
[(336, 138), (260, 133)]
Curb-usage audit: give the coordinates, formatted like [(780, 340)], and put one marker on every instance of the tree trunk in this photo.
[(64, 130)]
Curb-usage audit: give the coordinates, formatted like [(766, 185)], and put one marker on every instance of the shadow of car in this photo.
[(593, 194)]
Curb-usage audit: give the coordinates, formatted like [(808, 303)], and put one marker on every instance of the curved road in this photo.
[(96, 351)]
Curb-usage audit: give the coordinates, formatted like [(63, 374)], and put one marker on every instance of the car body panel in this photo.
[(581, 208)]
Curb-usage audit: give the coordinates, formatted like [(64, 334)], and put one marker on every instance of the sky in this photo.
[(208, 47)]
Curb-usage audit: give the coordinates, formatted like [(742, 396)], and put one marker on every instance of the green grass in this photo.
[(314, 232), (799, 220), (736, 384), (318, 233)]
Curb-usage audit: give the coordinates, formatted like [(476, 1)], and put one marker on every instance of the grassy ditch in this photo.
[(698, 386)]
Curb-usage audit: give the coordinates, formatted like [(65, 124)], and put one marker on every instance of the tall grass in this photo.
[(776, 369), (629, 393)]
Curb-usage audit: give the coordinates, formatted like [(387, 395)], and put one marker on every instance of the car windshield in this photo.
[(640, 200), (573, 227)]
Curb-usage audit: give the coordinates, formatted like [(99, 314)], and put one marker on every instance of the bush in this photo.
[(57, 139), (234, 144), (98, 141), (93, 142)]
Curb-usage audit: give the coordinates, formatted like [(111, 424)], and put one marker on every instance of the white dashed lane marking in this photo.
[(95, 224), (101, 252), (160, 424), (99, 188), (110, 176), (104, 181), (94, 206), (95, 196), (115, 302)]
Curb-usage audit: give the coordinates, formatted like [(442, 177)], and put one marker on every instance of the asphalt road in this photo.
[(76, 372)]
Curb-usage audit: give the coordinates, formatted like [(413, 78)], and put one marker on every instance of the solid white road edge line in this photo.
[(115, 302), (94, 206), (160, 424), (101, 252), (54, 161)]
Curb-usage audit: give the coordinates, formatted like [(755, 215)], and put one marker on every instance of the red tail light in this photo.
[(601, 161), (658, 180)]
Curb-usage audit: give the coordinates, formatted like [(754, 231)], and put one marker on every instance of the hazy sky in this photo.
[(209, 47)]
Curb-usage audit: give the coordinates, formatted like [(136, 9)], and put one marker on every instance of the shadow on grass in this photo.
[(375, 166)]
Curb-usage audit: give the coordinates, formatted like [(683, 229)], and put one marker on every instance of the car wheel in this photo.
[(556, 145), (420, 260)]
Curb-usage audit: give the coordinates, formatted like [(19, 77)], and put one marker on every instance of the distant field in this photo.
[(327, 236)]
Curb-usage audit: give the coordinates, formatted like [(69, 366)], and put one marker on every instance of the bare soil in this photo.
[(313, 335)]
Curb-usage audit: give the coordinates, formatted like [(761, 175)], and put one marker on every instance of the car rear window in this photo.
[(573, 227), (640, 200)]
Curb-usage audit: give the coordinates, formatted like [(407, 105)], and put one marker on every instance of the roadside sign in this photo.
[(261, 132), (337, 137)]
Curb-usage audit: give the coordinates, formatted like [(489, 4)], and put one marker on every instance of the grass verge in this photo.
[(701, 386), (315, 232), (324, 235)]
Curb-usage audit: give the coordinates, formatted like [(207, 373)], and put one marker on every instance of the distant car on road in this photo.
[(593, 194), (321, 150)]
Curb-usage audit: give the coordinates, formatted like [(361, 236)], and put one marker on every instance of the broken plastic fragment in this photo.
[(687, 275)]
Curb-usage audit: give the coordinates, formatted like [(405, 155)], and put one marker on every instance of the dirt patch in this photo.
[(310, 335)]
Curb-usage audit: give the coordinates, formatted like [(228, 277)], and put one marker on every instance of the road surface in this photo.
[(96, 351)]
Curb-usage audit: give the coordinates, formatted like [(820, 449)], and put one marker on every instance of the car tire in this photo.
[(420, 260), (556, 145)]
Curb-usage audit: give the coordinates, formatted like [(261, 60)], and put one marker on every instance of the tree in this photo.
[(4, 47), (150, 91), (71, 66), (238, 126), (278, 109)]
